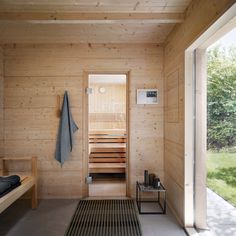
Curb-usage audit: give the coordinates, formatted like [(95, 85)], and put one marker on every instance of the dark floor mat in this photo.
[(105, 218)]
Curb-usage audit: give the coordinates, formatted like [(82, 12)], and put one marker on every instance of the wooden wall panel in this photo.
[(34, 77), (102, 102), (172, 86), (89, 32), (107, 110), (180, 38), (1, 104)]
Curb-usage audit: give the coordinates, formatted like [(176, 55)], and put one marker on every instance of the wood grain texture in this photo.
[(89, 21), (15, 194), (70, 32), (1, 104), (107, 110), (36, 74), (173, 97), (107, 167), (104, 189), (109, 163), (130, 6), (95, 18), (27, 183), (196, 22)]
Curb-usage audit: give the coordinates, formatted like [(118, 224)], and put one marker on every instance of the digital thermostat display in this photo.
[(147, 96), (151, 94)]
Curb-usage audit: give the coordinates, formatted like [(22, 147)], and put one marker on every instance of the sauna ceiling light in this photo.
[(102, 90)]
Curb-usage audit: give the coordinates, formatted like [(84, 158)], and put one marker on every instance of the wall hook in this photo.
[(58, 111)]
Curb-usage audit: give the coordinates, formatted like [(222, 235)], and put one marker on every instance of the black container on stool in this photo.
[(146, 178), (157, 183), (151, 179)]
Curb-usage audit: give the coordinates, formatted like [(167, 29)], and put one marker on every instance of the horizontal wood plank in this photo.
[(105, 149), (94, 17), (106, 160), (115, 155), (107, 140), (107, 167), (11, 197), (91, 6)]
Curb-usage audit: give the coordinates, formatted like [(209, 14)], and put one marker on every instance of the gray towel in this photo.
[(65, 134)]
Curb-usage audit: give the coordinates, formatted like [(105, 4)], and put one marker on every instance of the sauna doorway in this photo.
[(107, 134)]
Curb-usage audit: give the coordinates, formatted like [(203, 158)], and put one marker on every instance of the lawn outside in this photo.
[(221, 174)]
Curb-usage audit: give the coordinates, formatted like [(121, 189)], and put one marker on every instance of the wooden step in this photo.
[(108, 147), (107, 131), (107, 167), (107, 151), (116, 136), (122, 154), (107, 160), (100, 150), (107, 140)]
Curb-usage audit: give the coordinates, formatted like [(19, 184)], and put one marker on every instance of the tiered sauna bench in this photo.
[(107, 151)]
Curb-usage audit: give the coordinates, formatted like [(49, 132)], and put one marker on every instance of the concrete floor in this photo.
[(53, 216), (221, 216)]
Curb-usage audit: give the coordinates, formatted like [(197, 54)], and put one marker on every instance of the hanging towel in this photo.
[(65, 133)]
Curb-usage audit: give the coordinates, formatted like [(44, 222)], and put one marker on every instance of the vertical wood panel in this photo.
[(173, 97), (37, 74), (1, 104), (180, 38), (201, 140)]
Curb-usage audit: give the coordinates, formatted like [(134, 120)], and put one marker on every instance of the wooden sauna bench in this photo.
[(107, 151), (28, 182)]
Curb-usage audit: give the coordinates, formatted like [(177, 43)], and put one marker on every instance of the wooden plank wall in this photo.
[(199, 15), (1, 104), (107, 110), (34, 77)]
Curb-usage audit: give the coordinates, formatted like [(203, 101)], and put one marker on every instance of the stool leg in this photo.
[(34, 197), (164, 202)]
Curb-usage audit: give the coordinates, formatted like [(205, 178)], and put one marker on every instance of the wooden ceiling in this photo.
[(89, 21)]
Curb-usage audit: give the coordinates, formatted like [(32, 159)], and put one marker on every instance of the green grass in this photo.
[(221, 174)]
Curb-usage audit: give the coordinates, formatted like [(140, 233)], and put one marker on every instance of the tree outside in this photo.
[(221, 102), (221, 121)]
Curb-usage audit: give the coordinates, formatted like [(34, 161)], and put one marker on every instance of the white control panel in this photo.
[(147, 96)]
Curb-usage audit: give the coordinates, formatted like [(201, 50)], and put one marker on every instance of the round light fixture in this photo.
[(102, 90)]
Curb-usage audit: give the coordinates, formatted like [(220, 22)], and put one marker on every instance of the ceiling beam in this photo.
[(78, 17)]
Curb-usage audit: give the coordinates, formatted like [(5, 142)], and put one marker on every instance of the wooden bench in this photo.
[(28, 182), (107, 151)]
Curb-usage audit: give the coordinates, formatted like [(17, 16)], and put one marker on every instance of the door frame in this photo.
[(85, 172), (195, 120)]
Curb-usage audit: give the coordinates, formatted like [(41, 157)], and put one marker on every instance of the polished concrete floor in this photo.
[(221, 216), (53, 216)]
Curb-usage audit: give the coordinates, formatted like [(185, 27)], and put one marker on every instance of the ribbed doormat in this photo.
[(105, 218)]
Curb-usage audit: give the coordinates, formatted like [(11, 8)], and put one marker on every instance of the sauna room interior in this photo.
[(103, 53), (107, 134)]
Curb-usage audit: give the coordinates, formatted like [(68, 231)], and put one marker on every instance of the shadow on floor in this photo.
[(52, 217)]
